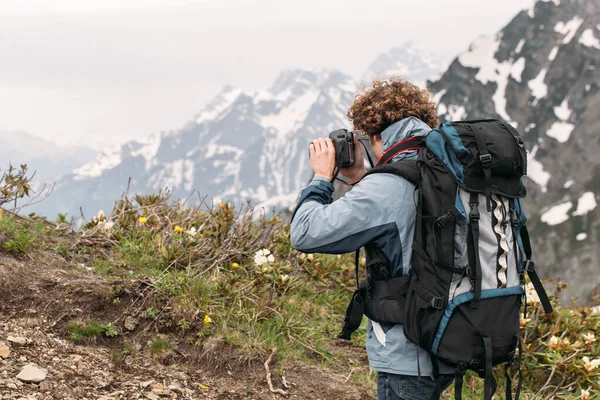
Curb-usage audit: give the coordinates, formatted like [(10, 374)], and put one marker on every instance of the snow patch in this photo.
[(517, 69), (438, 96), (481, 54), (456, 113), (588, 39), (581, 236), (569, 183), (557, 214), (568, 29), (563, 112), (535, 170), (218, 105), (109, 159), (290, 117), (520, 46), (538, 88), (529, 127), (553, 54), (588, 87), (556, 2), (560, 131), (586, 203), (442, 109), (148, 149)]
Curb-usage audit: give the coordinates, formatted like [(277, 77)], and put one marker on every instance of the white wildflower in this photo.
[(589, 338), (263, 256), (192, 232), (590, 365), (585, 394), (554, 342), (107, 226), (532, 296)]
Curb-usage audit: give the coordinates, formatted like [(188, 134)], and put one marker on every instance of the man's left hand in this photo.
[(322, 157)]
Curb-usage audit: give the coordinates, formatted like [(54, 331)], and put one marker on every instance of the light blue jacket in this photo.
[(380, 209)]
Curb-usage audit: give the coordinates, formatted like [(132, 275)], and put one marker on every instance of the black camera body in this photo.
[(343, 141)]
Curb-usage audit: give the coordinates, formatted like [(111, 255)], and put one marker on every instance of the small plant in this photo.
[(79, 331), (19, 243), (160, 345), (14, 184)]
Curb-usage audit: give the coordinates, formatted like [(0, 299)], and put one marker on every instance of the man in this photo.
[(380, 211)]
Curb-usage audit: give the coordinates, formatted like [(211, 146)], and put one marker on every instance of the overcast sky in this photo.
[(98, 71)]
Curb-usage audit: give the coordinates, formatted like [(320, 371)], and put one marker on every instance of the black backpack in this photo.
[(462, 299)]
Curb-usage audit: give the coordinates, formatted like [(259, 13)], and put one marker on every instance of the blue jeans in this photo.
[(405, 387)]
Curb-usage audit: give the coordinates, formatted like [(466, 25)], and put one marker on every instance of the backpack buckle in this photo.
[(474, 213), (437, 303), (529, 266), (485, 160)]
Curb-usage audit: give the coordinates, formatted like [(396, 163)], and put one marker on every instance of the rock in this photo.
[(145, 384), (11, 386), (100, 384), (4, 350), (45, 386), (130, 323), (18, 340), (31, 374)]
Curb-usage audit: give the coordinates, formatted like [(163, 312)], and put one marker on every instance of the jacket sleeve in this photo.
[(367, 212)]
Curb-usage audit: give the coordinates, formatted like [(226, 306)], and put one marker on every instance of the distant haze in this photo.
[(96, 72)]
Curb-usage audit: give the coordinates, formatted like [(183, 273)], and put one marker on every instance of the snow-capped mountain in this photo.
[(407, 61), (47, 160), (239, 146), (542, 73)]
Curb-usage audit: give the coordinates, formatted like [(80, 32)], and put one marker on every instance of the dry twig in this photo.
[(273, 390)]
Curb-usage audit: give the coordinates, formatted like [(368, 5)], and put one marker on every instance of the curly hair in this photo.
[(390, 101)]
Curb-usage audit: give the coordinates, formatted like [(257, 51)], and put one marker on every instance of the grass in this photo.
[(160, 345), (80, 331)]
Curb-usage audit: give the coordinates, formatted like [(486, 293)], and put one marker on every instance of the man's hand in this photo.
[(355, 172), (322, 157)]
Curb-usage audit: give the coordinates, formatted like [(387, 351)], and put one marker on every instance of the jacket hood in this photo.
[(406, 128)]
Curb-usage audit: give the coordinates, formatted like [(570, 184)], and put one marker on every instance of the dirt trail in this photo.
[(37, 298)]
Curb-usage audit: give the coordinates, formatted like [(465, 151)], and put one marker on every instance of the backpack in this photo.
[(461, 301)]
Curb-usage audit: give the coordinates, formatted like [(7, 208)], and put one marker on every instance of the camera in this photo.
[(343, 141)]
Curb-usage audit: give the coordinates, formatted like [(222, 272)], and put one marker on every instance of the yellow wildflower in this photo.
[(203, 387), (178, 228), (207, 319), (235, 265), (142, 220), (221, 205)]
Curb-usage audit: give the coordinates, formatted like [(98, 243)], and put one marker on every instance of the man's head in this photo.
[(387, 102)]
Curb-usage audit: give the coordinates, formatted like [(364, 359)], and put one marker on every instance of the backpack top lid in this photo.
[(485, 156)]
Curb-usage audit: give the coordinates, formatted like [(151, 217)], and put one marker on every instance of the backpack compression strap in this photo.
[(531, 272)]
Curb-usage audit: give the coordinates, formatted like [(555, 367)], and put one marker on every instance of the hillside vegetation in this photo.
[(213, 292)]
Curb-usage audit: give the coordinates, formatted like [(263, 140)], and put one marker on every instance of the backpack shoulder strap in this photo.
[(406, 169)]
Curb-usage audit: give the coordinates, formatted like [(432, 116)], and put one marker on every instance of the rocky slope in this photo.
[(542, 73)]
